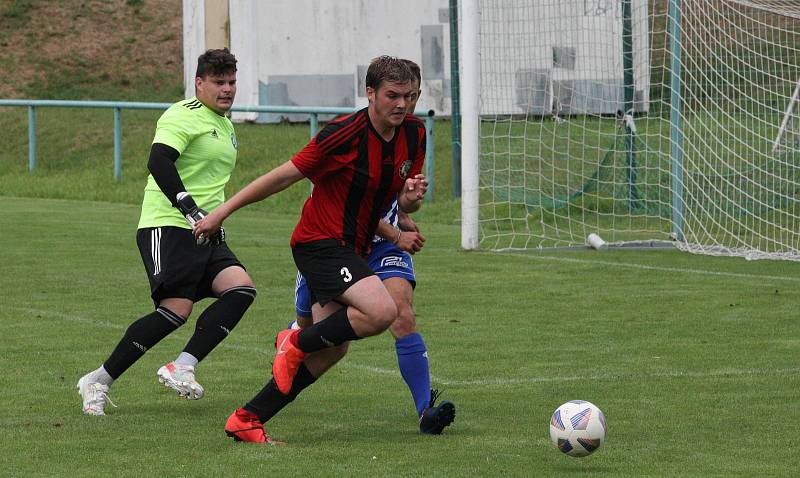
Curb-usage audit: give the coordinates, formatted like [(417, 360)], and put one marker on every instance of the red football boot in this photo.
[(245, 426), (287, 360)]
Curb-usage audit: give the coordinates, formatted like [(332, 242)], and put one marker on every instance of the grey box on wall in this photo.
[(432, 45), (533, 90), (294, 90)]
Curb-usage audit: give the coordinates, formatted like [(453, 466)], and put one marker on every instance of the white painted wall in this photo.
[(333, 37), (194, 41), (323, 37), (315, 39), (244, 44)]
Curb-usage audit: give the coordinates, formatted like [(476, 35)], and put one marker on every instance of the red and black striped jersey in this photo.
[(356, 175)]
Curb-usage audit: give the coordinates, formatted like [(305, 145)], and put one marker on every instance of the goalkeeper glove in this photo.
[(193, 214)]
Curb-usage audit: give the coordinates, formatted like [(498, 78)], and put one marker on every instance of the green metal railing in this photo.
[(118, 106), (455, 102)]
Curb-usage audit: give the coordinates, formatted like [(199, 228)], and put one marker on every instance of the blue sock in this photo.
[(412, 358)]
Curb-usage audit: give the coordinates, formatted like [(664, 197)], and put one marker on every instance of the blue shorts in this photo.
[(385, 259)]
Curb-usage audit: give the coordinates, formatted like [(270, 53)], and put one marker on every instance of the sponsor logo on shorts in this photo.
[(394, 261)]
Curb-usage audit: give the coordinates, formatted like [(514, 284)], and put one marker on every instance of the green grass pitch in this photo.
[(693, 359)]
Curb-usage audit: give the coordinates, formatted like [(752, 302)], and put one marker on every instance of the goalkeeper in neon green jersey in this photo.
[(191, 160)]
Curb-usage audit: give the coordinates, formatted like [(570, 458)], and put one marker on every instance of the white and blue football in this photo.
[(578, 428)]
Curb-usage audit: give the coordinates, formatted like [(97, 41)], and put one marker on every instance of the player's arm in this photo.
[(162, 167), (263, 187), (409, 241), (405, 222), (410, 198), (416, 185)]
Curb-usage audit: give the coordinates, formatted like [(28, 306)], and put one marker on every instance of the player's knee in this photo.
[(177, 316), (405, 323), (230, 278), (384, 315), (248, 282), (180, 307)]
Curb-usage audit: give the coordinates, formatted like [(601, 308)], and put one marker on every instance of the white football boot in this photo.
[(95, 396), (181, 379)]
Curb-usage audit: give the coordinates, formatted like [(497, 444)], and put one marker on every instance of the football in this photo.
[(578, 428)]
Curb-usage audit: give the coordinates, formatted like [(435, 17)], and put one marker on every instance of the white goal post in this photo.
[(788, 126), (639, 120)]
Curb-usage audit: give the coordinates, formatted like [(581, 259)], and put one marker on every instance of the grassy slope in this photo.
[(92, 49)]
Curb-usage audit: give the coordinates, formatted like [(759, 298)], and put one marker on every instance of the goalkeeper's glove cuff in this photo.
[(188, 208), (193, 214), (185, 203)]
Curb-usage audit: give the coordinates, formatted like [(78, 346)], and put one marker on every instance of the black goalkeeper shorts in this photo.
[(329, 267), (177, 267)]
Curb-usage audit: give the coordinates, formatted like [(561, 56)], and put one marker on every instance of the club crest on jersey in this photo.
[(405, 168), (234, 142)]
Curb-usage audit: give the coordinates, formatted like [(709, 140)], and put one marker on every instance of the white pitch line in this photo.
[(267, 350), (604, 377), (629, 265)]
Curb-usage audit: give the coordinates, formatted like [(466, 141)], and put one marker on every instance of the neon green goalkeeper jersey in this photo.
[(207, 146)]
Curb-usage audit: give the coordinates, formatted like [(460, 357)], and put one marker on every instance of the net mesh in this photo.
[(577, 135)]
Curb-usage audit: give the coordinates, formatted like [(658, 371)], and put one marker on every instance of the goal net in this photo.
[(638, 120)]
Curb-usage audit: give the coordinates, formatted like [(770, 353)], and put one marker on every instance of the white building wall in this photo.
[(244, 43), (194, 41), (315, 52)]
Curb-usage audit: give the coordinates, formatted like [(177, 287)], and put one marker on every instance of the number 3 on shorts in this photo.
[(345, 272)]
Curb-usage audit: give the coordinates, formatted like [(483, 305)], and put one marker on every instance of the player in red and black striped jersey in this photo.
[(356, 172), (359, 165), (397, 240)]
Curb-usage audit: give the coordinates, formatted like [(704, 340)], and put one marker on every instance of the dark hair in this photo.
[(388, 68), (215, 62), (414, 69)]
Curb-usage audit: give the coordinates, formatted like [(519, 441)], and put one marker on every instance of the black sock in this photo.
[(269, 401), (331, 331), (217, 321), (141, 336)]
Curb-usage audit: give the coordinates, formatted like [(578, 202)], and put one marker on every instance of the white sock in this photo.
[(101, 376), (186, 359)]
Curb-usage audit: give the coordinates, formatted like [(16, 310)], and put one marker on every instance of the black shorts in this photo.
[(329, 267), (177, 267)]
